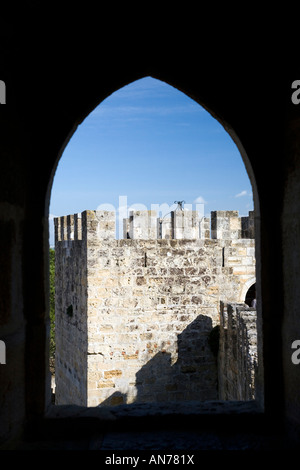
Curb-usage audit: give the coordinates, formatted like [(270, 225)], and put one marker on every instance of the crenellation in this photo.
[(70, 227), (126, 229), (164, 228), (61, 225), (77, 227), (248, 225), (185, 224), (98, 225), (63, 228), (225, 225), (144, 225), (56, 230), (204, 228), (67, 228)]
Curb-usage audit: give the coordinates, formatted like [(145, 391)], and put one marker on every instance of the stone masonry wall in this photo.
[(143, 306), (237, 362)]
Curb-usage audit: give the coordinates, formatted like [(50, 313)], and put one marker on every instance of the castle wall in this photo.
[(237, 361), (147, 306)]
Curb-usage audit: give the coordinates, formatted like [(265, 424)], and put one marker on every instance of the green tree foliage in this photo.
[(52, 303)]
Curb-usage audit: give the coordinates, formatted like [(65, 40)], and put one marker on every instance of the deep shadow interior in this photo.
[(63, 85)]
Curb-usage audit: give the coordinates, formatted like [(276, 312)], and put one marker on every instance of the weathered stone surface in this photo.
[(133, 316), (238, 352)]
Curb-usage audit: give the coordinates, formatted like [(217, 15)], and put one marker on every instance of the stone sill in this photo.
[(112, 413)]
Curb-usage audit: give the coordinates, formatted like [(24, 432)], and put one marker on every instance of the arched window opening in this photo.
[(250, 298), (162, 239)]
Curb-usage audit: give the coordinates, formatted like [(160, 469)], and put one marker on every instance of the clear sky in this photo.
[(149, 144)]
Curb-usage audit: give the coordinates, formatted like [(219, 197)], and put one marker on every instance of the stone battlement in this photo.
[(145, 225)]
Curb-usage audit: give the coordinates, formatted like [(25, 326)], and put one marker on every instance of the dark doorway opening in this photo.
[(250, 298)]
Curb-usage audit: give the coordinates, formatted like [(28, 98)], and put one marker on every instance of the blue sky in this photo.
[(149, 144)]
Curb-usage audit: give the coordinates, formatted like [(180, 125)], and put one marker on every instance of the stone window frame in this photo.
[(150, 410)]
